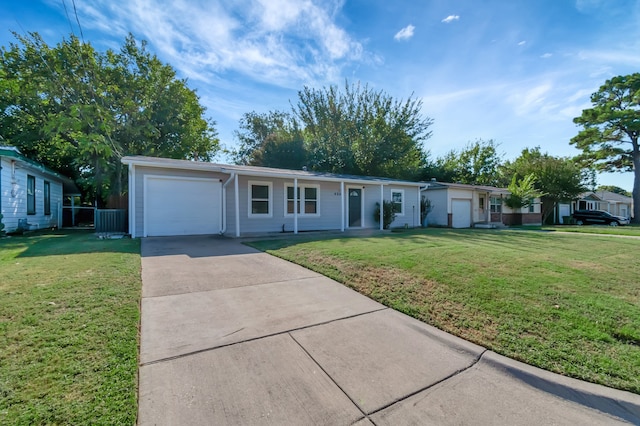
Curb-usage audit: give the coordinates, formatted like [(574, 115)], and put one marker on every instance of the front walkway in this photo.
[(230, 335)]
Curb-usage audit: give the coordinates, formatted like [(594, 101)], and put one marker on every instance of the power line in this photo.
[(78, 20)]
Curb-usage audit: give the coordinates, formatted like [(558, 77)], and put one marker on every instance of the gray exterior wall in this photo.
[(329, 203), (439, 216), (141, 172), (329, 206), (13, 197)]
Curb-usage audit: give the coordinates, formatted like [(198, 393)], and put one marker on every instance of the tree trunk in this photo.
[(636, 180)]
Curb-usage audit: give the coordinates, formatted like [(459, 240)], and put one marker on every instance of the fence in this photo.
[(111, 220)]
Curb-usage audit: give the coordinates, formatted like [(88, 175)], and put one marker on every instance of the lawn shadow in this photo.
[(66, 242)]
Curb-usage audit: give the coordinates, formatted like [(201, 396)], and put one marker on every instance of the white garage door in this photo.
[(461, 213), (182, 206)]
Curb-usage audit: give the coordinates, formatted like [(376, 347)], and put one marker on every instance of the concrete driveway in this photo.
[(230, 335)]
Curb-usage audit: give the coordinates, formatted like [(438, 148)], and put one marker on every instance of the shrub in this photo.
[(388, 214)]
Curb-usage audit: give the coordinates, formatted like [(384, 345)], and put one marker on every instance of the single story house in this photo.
[(457, 205), (616, 204), (30, 194), (181, 197)]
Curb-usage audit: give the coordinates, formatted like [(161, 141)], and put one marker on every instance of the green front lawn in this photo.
[(68, 329), (564, 302), (628, 230)]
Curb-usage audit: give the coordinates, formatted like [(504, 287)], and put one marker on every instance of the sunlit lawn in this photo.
[(68, 329), (632, 230), (568, 303)]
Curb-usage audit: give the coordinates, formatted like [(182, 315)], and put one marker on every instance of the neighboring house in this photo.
[(616, 204), (180, 197), (458, 205), (30, 194)]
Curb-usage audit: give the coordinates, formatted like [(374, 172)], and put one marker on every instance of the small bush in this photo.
[(388, 214)]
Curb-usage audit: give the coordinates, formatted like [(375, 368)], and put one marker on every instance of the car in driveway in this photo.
[(598, 217)]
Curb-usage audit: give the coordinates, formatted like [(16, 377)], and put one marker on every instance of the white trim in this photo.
[(301, 200), (165, 177), (269, 200), (132, 201), (381, 218), (401, 192), (295, 206), (237, 205), (342, 206)]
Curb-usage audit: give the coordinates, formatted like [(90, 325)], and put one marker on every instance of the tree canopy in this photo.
[(556, 178), (354, 130), (272, 139), (78, 111), (615, 189), (609, 138), (478, 163)]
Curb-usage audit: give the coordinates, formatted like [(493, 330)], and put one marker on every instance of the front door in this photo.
[(355, 207)]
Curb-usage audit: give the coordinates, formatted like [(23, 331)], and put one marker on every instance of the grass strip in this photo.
[(69, 314)]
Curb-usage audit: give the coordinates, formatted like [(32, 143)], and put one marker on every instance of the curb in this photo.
[(614, 402)]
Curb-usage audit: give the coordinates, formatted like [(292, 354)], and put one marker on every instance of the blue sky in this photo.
[(514, 71)]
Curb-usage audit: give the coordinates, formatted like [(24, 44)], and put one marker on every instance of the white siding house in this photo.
[(180, 197), (30, 194)]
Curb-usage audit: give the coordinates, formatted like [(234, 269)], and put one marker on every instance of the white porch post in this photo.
[(419, 209), (237, 205), (295, 205), (381, 206), (342, 213), (132, 200)]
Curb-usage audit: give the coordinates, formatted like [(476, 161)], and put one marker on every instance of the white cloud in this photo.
[(546, 55), (405, 33), (281, 42), (450, 19), (522, 43)]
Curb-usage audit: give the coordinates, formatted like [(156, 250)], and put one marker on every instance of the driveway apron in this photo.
[(231, 335)]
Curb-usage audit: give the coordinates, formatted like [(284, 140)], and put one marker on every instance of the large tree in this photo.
[(361, 131), (270, 139), (478, 163), (609, 139), (615, 189), (556, 178), (79, 111)]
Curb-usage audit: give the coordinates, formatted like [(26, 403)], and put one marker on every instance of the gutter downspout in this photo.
[(223, 228)]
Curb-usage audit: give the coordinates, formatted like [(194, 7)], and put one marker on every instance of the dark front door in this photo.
[(355, 207)]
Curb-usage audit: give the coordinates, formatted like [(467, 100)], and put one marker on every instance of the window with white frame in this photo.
[(47, 198), (260, 199), (397, 199), (31, 194), (531, 206), (308, 200), (496, 204)]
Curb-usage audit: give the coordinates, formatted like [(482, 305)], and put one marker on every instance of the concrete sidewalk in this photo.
[(230, 335)]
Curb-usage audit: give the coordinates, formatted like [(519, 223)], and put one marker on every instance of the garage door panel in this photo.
[(182, 206), (461, 213)]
